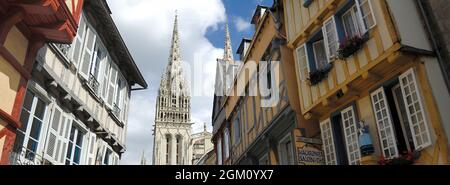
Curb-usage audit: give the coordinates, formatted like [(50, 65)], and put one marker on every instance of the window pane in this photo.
[(35, 129), (24, 120), (18, 143), (79, 139), (320, 54), (28, 100), (77, 154), (40, 109)]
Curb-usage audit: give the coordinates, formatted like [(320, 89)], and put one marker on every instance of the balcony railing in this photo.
[(64, 49), (94, 84), (24, 156)]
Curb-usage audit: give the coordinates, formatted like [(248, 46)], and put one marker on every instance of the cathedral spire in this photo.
[(173, 79), (228, 53)]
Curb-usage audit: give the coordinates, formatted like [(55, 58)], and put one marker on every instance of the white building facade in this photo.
[(75, 110)]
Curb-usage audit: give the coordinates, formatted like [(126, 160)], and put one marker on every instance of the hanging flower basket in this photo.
[(407, 158), (351, 45), (317, 76)]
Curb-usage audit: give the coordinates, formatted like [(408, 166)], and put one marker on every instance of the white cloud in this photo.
[(147, 29), (241, 24)]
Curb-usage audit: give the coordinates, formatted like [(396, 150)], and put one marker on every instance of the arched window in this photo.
[(179, 154), (168, 146)]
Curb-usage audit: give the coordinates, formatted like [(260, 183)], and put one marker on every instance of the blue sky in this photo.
[(234, 9), (146, 26)]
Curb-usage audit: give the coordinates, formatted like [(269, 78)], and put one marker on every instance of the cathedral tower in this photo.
[(173, 112)]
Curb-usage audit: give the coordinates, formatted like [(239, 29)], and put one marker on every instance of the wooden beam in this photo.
[(347, 89), (368, 75), (11, 18)]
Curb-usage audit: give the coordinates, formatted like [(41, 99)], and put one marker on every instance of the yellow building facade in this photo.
[(265, 128), (371, 83)]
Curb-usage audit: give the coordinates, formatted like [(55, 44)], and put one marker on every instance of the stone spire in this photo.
[(173, 79), (228, 51)]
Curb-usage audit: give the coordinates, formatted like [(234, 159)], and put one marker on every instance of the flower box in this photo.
[(407, 158), (317, 76), (351, 45)]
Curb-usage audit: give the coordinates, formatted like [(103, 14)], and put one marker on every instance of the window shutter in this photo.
[(384, 123), (76, 47), (302, 62), (328, 142), (87, 54), (105, 82), (57, 140), (91, 149), (125, 104), (112, 86), (415, 110), (64, 134), (52, 138), (330, 36), (366, 16), (351, 136)]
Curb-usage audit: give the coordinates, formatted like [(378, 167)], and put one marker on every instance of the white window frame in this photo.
[(58, 155), (328, 146), (361, 18), (303, 63), (327, 42), (384, 123), (86, 50), (414, 91), (356, 21), (91, 148), (80, 39), (26, 138), (83, 149), (354, 142), (112, 84)]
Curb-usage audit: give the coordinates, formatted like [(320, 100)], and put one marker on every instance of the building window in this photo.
[(219, 151), (107, 158), (366, 13), (178, 153), (286, 152), (340, 138), (320, 55), (302, 62), (28, 136), (399, 113), (328, 142), (74, 151), (226, 135), (331, 37), (237, 128), (168, 145), (351, 136), (350, 23)]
